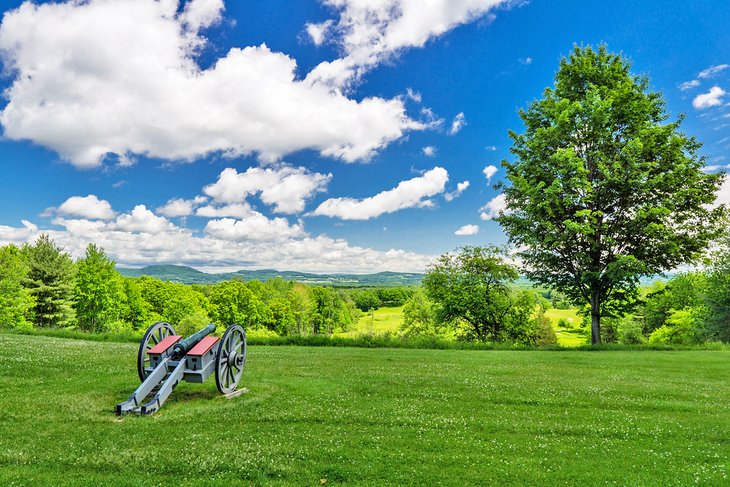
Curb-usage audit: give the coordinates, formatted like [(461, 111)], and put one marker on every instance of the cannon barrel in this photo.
[(184, 346)]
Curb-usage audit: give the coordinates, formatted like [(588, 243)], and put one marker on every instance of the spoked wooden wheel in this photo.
[(231, 359), (154, 335)]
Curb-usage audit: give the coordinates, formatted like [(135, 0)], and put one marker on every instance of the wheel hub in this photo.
[(235, 359)]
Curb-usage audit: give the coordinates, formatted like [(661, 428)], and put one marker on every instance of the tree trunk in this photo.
[(595, 318)]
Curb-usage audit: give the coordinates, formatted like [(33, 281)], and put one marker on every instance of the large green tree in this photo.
[(50, 281), (98, 293), (472, 286), (604, 189)]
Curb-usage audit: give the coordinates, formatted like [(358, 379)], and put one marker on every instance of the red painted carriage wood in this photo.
[(166, 343), (204, 345)]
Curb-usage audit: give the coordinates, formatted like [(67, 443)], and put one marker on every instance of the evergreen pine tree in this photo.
[(50, 281)]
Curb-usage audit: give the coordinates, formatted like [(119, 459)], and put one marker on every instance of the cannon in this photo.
[(164, 359)]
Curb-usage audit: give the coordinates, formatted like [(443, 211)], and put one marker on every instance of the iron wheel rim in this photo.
[(154, 335), (231, 359)]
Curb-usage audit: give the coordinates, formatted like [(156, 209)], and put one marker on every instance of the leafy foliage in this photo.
[(419, 317), (366, 299), (15, 300), (545, 333), (604, 189), (471, 293), (717, 295), (233, 303), (98, 290)]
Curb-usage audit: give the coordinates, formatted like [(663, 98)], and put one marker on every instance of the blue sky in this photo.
[(331, 135)]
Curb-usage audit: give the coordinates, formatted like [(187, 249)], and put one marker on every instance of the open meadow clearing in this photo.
[(370, 416), (386, 319), (572, 336)]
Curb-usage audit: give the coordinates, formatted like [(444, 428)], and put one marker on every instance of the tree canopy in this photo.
[(98, 290), (472, 285), (604, 189), (15, 300)]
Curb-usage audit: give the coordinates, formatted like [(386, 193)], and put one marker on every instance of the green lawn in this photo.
[(370, 417)]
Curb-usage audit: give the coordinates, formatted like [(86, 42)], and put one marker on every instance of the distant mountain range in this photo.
[(188, 275)]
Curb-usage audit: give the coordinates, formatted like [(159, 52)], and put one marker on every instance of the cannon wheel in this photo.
[(154, 335), (231, 359)]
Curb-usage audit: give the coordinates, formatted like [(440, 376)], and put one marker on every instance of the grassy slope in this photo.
[(382, 320), (374, 417), (568, 337)]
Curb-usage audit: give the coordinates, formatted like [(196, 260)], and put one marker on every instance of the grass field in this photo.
[(385, 320), (370, 417), (382, 320), (568, 337)]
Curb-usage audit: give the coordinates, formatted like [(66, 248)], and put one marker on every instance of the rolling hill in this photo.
[(188, 275)]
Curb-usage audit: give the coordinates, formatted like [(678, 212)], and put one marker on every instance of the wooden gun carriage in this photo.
[(164, 359)]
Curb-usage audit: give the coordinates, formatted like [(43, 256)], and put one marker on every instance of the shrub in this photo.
[(630, 331), (680, 329), (192, 322), (260, 333), (118, 328), (545, 333)]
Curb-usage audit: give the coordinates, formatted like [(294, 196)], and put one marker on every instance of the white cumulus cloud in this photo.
[(490, 171), (254, 227), (460, 188), (99, 77), (90, 207), (688, 85), (457, 124), (199, 14), (176, 245), (467, 230), (318, 32), (285, 187), (370, 32), (140, 219), (236, 210), (429, 151), (413, 193), (710, 99), (713, 70), (18, 235), (493, 208), (176, 207)]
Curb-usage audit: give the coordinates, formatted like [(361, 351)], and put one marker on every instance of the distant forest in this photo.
[(42, 287)]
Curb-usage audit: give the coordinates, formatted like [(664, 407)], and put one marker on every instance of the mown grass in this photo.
[(370, 417)]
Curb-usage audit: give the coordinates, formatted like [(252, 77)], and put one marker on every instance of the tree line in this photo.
[(467, 295), (42, 286)]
